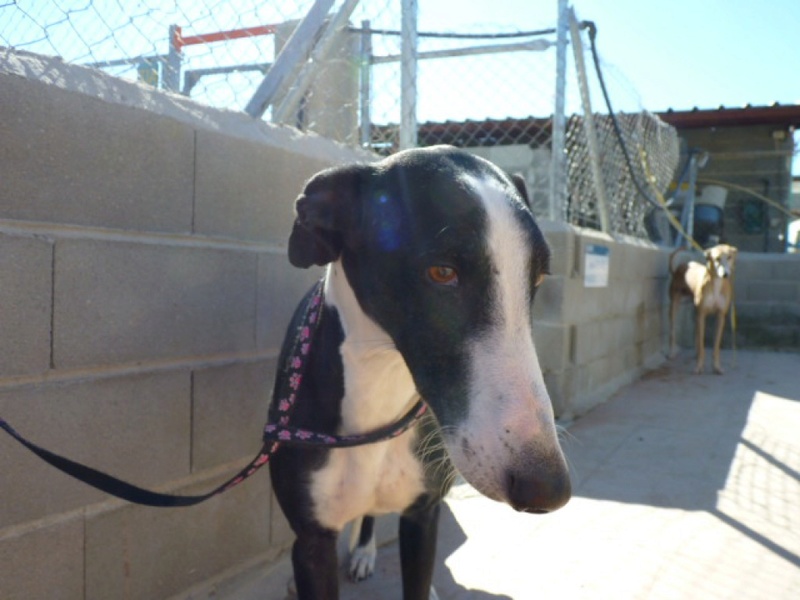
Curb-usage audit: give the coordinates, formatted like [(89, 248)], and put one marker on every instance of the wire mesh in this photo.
[(636, 151), (489, 88)]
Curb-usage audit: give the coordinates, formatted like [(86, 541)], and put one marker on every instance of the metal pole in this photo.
[(293, 97), (294, 52), (558, 184), (172, 68), (532, 46), (365, 84), (588, 125), (408, 76)]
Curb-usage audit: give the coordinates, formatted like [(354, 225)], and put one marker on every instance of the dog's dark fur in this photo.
[(432, 262)]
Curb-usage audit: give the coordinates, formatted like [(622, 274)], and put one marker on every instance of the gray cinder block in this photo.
[(246, 190), (134, 427), (25, 304), (157, 553), (229, 409), (71, 158), (125, 302), (44, 562)]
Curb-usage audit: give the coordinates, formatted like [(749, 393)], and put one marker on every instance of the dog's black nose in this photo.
[(540, 491)]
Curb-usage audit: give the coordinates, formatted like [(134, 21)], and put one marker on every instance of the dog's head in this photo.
[(721, 260), (443, 254)]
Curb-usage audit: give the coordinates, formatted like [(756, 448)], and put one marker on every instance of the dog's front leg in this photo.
[(315, 565), (673, 316), (700, 340), (418, 531), (718, 342)]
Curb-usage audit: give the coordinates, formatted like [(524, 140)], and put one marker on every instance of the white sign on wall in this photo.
[(596, 261)]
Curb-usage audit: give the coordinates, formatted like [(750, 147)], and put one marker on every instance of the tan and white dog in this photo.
[(710, 286)]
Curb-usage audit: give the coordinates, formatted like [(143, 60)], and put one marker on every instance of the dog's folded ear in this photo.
[(522, 188), (325, 212)]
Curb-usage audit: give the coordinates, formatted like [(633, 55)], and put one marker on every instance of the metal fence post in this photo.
[(365, 84), (558, 182), (172, 68), (294, 52), (589, 126), (408, 76), (293, 98)]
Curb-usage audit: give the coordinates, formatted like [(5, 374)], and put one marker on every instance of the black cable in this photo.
[(617, 129)]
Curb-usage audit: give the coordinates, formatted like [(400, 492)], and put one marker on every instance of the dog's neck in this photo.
[(378, 385)]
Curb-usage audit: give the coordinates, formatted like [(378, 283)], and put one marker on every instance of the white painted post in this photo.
[(588, 125), (408, 76), (558, 185)]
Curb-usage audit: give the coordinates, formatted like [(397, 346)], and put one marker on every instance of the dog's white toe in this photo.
[(362, 562)]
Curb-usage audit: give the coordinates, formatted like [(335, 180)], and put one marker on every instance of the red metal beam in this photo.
[(220, 36)]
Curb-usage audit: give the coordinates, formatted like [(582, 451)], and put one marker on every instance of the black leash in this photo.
[(274, 434)]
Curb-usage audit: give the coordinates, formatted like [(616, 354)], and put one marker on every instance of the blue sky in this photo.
[(675, 53)]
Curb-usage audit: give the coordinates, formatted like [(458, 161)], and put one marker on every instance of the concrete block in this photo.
[(560, 387), (70, 158), (549, 304), (771, 291), (246, 190), (125, 302), (786, 267), (134, 427), (561, 239), (281, 288), (156, 553), (623, 260), (25, 305), (43, 563), (649, 325), (552, 342), (229, 410), (601, 337)]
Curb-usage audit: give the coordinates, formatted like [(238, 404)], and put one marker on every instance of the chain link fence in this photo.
[(492, 89), (618, 163)]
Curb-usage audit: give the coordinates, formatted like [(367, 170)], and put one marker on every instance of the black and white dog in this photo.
[(433, 260)]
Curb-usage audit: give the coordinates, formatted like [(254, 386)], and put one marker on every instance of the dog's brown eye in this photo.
[(442, 275)]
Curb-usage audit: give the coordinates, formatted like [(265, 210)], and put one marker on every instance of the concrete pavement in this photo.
[(686, 486)]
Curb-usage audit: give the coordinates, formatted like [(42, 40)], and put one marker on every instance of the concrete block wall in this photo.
[(144, 293), (593, 340), (768, 301)]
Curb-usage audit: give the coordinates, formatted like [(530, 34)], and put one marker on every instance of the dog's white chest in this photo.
[(375, 479), (715, 299)]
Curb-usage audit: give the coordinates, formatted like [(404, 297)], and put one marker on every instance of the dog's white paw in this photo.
[(362, 562), (291, 589)]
